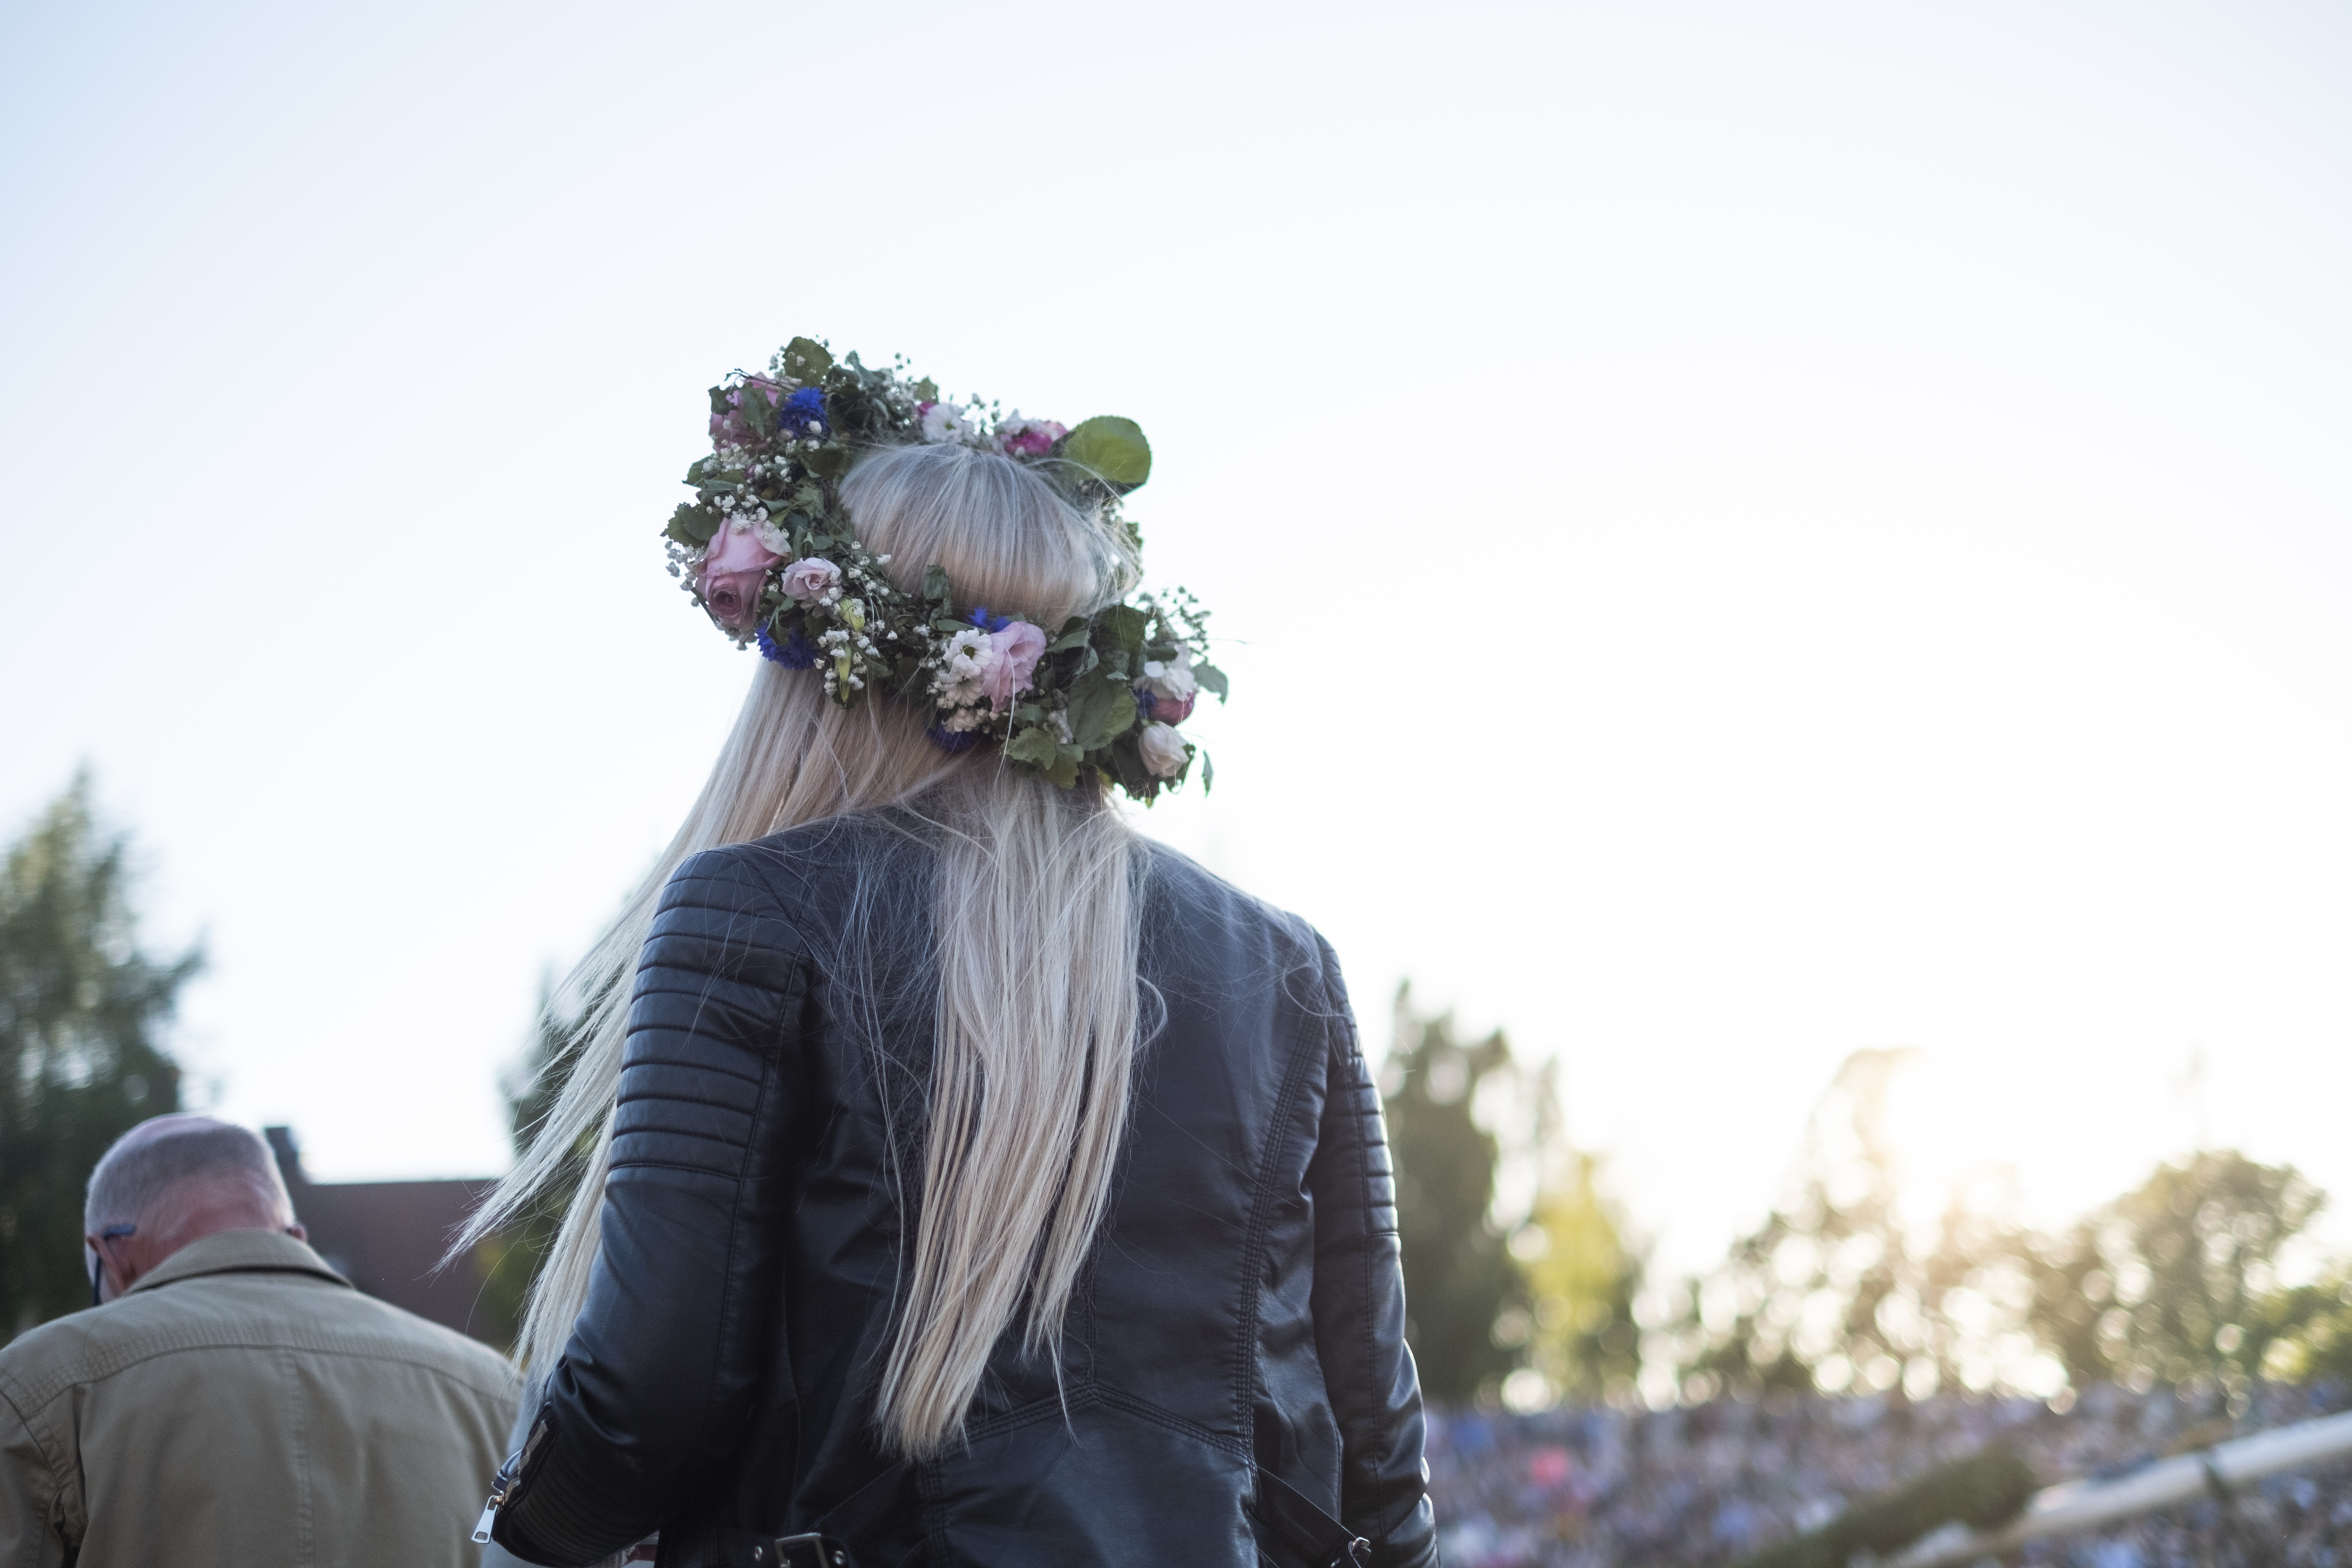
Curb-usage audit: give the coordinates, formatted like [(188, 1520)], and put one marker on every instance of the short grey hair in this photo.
[(134, 1180)]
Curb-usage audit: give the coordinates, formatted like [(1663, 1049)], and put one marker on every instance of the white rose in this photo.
[(1171, 678), (1164, 750)]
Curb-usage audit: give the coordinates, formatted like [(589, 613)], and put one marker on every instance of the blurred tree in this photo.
[(1458, 1277), (509, 1259), (82, 1009), (1838, 1288), (2306, 1331), (1581, 1280), (2178, 1277)]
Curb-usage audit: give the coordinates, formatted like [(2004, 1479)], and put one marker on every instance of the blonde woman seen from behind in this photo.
[(964, 1178)]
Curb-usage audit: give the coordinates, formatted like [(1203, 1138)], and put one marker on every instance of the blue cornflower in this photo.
[(801, 410), (988, 623), (952, 740), (796, 652)]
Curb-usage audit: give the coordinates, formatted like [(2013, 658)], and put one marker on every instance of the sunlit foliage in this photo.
[(1581, 1277), (2179, 1276)]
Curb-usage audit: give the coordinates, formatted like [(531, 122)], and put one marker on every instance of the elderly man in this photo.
[(233, 1400)]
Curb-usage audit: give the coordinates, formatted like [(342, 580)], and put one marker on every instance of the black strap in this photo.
[(1300, 1523), (820, 1547), (787, 1551)]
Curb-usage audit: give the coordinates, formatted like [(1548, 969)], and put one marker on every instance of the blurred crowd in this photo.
[(1597, 1487)]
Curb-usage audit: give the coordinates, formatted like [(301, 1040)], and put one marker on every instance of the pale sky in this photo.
[(1744, 532)]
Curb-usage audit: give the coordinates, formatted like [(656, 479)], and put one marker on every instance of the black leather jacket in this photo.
[(1241, 1312)]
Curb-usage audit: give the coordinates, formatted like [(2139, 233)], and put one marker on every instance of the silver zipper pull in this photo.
[(509, 1476), (501, 1489)]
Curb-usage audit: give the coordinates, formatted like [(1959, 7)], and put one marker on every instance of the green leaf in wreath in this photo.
[(1208, 774), (936, 587), (927, 390), (1074, 635), (1035, 746), (1065, 770), (1127, 766), (1211, 678), (691, 524), (758, 412), (828, 463), (1125, 625), (805, 361), (1112, 449), (1101, 709)]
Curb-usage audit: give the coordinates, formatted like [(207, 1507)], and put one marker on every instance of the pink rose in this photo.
[(731, 429), (810, 578), (733, 573), (1017, 647), (1029, 437), (1164, 710)]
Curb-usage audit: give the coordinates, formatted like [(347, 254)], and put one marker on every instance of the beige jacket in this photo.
[(243, 1405)]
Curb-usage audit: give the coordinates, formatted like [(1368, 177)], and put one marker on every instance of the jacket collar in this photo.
[(238, 1251)]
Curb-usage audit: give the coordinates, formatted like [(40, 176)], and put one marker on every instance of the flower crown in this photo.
[(766, 549)]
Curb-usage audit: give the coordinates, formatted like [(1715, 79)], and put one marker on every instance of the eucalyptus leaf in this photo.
[(1208, 774), (758, 412), (1211, 679), (805, 361), (1112, 449), (691, 524)]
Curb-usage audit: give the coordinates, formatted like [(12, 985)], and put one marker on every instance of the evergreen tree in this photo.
[(1458, 1277), (82, 1009)]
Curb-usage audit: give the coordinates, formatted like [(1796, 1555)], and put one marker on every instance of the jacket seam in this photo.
[(1119, 1399), (676, 1131), (86, 1372), (55, 1469), (1031, 1413)]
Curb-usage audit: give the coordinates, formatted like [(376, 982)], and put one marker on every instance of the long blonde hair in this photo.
[(1034, 930)]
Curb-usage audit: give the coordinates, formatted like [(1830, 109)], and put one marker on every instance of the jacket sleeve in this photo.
[(31, 1510), (1358, 1305), (656, 1386)]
